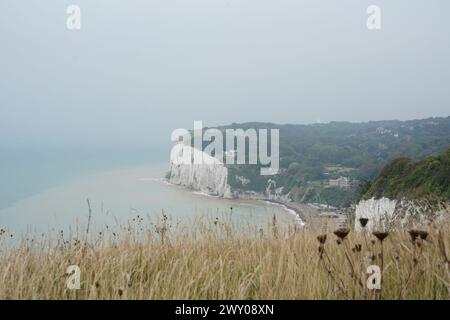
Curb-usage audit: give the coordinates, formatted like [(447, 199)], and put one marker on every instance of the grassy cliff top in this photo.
[(404, 177)]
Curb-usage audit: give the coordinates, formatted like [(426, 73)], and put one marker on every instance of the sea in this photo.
[(54, 190)]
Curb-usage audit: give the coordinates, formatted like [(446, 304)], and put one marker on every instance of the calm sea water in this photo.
[(116, 195)]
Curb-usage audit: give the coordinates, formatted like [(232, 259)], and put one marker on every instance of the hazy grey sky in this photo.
[(139, 69)]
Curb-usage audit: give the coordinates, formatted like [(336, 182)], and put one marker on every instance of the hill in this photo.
[(313, 155), (405, 178)]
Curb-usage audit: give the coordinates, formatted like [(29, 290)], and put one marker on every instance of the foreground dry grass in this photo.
[(217, 262)]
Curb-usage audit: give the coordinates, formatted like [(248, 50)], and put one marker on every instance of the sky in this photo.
[(136, 70)]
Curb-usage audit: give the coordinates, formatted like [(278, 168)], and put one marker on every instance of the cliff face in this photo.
[(386, 214), (378, 211), (408, 193), (209, 177)]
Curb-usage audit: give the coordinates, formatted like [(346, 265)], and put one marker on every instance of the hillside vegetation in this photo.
[(310, 155), (405, 178)]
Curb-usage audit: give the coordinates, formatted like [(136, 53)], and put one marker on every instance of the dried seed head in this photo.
[(380, 235), (423, 235), (413, 234), (322, 238), (363, 222), (120, 292), (341, 233), (418, 234)]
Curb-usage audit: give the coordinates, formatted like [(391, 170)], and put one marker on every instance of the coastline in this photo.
[(290, 207)]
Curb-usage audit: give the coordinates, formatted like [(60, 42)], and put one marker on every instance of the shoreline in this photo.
[(298, 208), (290, 207)]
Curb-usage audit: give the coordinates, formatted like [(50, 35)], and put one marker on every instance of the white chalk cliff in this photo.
[(378, 211), (209, 175), (386, 213)]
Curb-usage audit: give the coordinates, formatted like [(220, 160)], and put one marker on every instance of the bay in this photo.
[(118, 196)]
